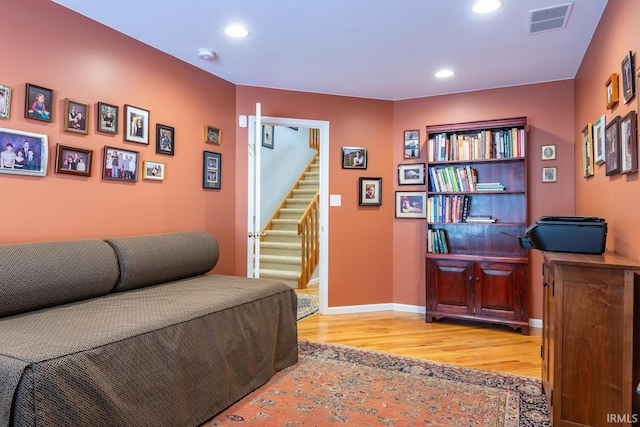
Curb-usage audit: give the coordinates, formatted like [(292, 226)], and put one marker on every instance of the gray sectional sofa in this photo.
[(133, 331)]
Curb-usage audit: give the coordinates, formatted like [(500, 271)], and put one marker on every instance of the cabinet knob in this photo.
[(545, 284)]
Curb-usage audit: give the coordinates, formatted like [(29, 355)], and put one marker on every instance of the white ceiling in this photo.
[(379, 49)]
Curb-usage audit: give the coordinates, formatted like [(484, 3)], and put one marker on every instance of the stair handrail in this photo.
[(309, 230)]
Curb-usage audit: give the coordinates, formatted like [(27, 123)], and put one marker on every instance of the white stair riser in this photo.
[(286, 252), (283, 267)]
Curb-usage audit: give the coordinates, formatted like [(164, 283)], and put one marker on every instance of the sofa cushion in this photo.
[(159, 258), (44, 274)]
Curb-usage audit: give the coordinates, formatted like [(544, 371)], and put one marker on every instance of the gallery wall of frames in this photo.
[(28, 153)]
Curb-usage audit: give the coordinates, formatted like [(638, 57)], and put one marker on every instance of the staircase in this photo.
[(281, 249)]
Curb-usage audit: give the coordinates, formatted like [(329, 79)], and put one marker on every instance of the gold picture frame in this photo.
[(611, 91), (212, 135)]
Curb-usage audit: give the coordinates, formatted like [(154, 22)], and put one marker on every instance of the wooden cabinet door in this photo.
[(448, 286), (498, 290), (548, 335)]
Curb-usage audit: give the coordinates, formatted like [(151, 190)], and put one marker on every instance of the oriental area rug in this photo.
[(307, 305), (338, 385)]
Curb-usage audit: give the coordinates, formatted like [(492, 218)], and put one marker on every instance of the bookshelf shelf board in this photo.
[(498, 258), (497, 223), (475, 192)]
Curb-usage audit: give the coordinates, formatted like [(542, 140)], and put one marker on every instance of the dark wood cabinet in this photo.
[(588, 371), (477, 206)]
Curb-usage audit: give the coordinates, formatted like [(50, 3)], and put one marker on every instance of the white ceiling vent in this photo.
[(549, 18)]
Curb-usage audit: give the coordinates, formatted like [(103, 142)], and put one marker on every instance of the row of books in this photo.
[(486, 144), (450, 178), (441, 208), (437, 242)]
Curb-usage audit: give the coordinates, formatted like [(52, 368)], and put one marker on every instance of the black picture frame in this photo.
[(612, 146), (165, 139), (411, 144), (369, 191), (628, 81), (117, 170), (73, 160), (38, 103), (108, 118), (267, 136), (411, 174), (354, 158), (628, 143), (212, 170)]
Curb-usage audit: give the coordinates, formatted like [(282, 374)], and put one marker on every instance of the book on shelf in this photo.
[(437, 242), (489, 186), (448, 208), (486, 144), (482, 219)]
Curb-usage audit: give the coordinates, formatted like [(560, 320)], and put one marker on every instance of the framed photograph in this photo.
[(165, 139), (411, 144), (211, 170), (107, 118), (354, 158), (212, 135), (628, 81), (23, 153), (629, 143), (137, 121), (153, 170), (549, 152), (612, 146), (411, 174), (73, 160), (267, 136), (120, 165), (411, 204), (550, 174), (77, 116), (370, 191), (587, 151), (5, 101), (611, 91), (598, 140), (38, 103)]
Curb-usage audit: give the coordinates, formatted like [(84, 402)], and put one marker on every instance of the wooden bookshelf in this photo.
[(476, 269)]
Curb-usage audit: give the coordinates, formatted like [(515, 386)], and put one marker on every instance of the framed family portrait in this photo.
[(411, 174), (267, 136), (598, 139), (411, 144), (76, 115), (628, 80), (120, 165), (212, 168), (107, 118), (411, 204), (369, 191), (73, 160), (137, 120), (212, 135), (38, 103), (550, 174), (23, 153), (629, 143), (153, 170), (354, 158), (612, 146), (611, 91), (5, 101), (165, 139), (587, 151)]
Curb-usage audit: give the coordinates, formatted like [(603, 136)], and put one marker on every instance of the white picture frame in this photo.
[(599, 127)]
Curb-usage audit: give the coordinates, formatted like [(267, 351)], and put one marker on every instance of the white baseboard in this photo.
[(371, 308)]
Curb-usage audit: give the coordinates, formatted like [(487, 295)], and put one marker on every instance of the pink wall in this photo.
[(613, 198), (360, 240), (103, 65), (549, 110)]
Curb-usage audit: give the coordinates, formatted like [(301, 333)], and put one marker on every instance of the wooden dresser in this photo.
[(588, 339)]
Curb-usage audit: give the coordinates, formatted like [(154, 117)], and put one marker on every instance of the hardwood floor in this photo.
[(472, 345)]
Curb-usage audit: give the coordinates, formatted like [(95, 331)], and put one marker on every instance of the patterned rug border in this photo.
[(308, 305), (533, 410)]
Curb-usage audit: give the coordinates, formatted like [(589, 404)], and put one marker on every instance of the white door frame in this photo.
[(324, 194)]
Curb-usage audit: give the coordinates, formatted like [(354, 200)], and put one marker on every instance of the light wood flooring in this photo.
[(472, 345)]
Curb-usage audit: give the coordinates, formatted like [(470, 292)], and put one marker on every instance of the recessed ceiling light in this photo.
[(444, 73), (237, 31), (487, 6)]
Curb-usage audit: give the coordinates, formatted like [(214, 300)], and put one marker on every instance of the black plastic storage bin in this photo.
[(576, 234)]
